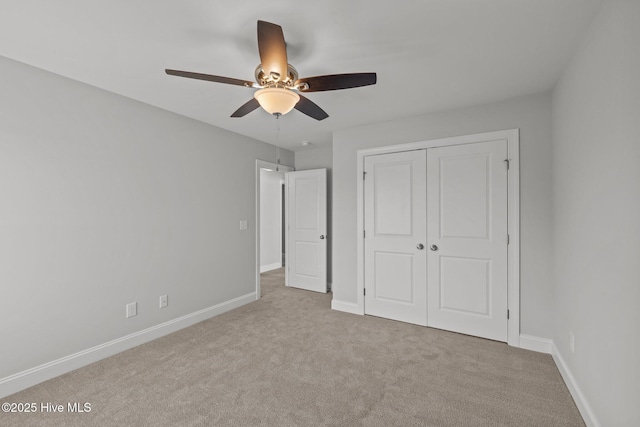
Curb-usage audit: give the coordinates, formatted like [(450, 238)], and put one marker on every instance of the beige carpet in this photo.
[(289, 360)]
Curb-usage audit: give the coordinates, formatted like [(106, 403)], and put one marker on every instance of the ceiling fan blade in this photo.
[(248, 107), (273, 50), (310, 108), (336, 82), (210, 78)]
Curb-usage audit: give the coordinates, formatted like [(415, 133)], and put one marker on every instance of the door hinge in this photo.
[(364, 291), (364, 175), (364, 234), (508, 239), (507, 314), (507, 161)]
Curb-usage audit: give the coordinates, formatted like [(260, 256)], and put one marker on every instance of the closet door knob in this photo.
[(322, 237), (420, 246), (433, 247)]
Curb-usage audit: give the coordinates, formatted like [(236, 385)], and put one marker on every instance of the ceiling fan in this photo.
[(278, 82)]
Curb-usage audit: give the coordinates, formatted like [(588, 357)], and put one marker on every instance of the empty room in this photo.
[(332, 213)]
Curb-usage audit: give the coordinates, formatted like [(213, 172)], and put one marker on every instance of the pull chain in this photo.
[(277, 141)]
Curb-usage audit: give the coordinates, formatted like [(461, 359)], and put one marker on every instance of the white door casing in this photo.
[(395, 227), (467, 239), (306, 230)]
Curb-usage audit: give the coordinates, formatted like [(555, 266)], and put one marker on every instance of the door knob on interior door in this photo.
[(433, 247), (420, 246), (322, 237)]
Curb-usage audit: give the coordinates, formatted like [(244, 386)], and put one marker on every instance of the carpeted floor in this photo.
[(289, 360)]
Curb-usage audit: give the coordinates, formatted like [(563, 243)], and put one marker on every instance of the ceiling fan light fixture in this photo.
[(275, 100)]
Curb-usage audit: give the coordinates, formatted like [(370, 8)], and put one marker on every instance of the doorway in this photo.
[(269, 219)]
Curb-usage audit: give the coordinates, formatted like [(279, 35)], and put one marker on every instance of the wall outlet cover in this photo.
[(132, 309)]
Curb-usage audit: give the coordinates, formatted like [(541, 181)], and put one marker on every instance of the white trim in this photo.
[(22, 380), (262, 164), (581, 401), (286, 226), (270, 267), (513, 229), (347, 307), (533, 343), (513, 263)]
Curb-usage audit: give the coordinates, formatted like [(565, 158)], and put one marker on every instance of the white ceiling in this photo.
[(429, 55)]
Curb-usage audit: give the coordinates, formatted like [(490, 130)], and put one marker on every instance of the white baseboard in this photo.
[(347, 307), (269, 267), (533, 343), (546, 345), (22, 380), (581, 402)]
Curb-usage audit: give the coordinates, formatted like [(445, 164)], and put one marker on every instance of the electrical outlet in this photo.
[(163, 301), (572, 342), (132, 309)]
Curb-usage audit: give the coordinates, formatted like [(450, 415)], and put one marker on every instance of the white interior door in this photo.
[(306, 229), (395, 228), (467, 238)]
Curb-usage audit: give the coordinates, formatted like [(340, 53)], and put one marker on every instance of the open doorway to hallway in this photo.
[(271, 280), (271, 213), (270, 222)]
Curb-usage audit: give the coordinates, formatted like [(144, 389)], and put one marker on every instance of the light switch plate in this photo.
[(243, 225)]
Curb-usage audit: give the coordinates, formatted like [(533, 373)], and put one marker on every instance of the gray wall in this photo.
[(105, 201), (321, 158), (532, 115), (596, 214)]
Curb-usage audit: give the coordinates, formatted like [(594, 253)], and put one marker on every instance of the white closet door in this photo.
[(467, 238), (395, 227)]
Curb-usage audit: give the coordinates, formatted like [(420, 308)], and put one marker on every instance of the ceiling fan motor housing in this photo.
[(276, 80)]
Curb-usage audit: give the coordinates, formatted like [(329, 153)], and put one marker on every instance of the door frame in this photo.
[(262, 164), (512, 136)]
